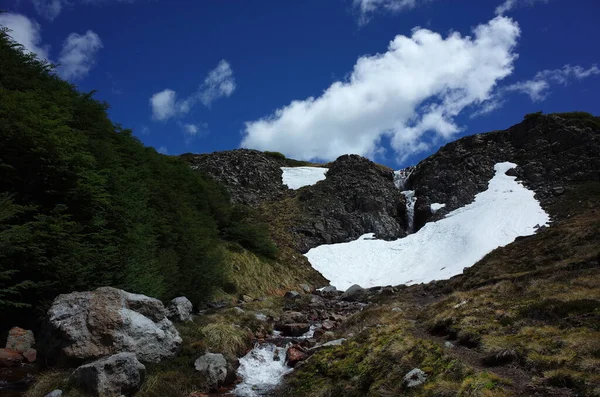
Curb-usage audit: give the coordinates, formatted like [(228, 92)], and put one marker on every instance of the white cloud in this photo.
[(538, 88), (49, 9), (26, 32), (368, 7), (163, 104), (218, 83), (190, 129), (508, 5), (409, 95), (162, 150), (78, 55)]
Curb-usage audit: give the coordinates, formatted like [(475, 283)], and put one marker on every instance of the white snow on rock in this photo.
[(297, 177), (435, 207), (440, 249)]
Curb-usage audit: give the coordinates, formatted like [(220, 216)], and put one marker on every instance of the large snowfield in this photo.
[(297, 177), (439, 250)]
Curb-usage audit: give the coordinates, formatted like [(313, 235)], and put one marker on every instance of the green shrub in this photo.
[(532, 116), (275, 155), (585, 118), (84, 204)]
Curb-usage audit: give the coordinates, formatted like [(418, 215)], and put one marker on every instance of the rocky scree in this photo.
[(250, 176)]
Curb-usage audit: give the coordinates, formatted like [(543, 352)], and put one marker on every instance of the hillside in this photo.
[(181, 276)]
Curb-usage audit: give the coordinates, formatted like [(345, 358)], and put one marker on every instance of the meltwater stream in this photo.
[(263, 368), (410, 209)]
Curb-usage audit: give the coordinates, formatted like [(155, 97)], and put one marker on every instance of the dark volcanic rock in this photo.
[(357, 197), (550, 152), (250, 176)]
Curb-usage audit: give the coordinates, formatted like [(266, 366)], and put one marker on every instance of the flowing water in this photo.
[(410, 208), (263, 368)]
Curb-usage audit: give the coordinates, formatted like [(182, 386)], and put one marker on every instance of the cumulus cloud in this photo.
[(190, 129), (367, 8), (163, 104), (26, 32), (78, 55), (410, 95), (218, 83), (49, 9), (508, 5)]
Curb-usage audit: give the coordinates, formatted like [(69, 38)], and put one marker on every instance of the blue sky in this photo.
[(389, 79)]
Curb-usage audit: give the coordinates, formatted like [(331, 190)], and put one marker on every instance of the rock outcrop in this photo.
[(118, 375), (357, 197), (10, 358), (551, 153), (251, 177), (20, 339), (215, 368), (83, 326), (180, 309)]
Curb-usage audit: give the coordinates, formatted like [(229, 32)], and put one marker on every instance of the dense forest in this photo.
[(84, 204)]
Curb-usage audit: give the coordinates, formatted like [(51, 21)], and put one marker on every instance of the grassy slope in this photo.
[(525, 321)]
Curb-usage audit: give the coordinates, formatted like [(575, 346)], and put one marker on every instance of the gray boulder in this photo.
[(88, 325), (216, 370), (329, 292), (180, 309), (55, 393), (353, 294), (415, 377), (294, 329), (114, 376), (292, 295), (20, 339)]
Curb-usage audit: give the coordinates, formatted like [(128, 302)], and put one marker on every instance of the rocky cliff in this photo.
[(357, 197), (552, 152), (251, 177)]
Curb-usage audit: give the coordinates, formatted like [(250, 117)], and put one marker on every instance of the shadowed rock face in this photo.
[(550, 152), (117, 375), (250, 176), (357, 197), (82, 326)]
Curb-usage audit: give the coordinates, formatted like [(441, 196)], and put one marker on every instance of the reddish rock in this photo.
[(30, 355), (197, 394), (20, 339), (294, 355), (10, 358)]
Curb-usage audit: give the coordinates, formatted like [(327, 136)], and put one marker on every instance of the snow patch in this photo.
[(297, 177), (435, 207), (261, 370), (439, 250)]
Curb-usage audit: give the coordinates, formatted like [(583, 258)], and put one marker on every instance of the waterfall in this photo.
[(261, 370), (410, 209)]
